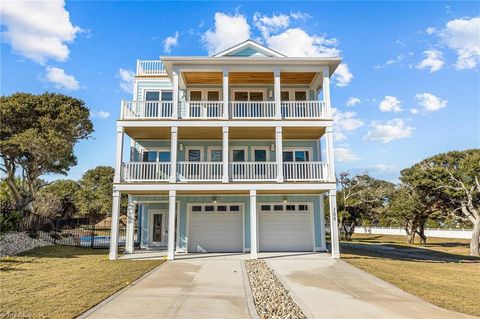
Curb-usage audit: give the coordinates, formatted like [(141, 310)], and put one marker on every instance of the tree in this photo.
[(453, 180), (94, 199), (57, 200), (361, 200), (37, 137)]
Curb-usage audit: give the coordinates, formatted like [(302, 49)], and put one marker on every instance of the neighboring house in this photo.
[(229, 153)]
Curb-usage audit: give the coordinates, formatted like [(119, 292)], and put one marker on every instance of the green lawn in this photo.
[(440, 272), (62, 282)]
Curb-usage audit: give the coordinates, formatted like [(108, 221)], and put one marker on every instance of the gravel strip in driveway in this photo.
[(272, 300)]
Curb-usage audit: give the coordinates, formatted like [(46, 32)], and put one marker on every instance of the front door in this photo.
[(158, 230)]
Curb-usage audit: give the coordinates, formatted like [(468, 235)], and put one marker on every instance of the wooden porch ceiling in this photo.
[(235, 133), (247, 77)]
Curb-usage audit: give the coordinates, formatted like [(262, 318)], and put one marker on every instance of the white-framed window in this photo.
[(194, 154), (156, 155), (260, 153), (250, 95), (204, 95), (239, 154), (297, 154), (294, 95), (216, 208), (157, 95), (214, 153)]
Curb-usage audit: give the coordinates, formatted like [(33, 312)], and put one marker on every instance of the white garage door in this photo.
[(285, 227), (215, 228)]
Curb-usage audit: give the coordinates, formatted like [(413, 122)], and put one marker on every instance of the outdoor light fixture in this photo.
[(215, 200), (270, 94), (272, 147), (285, 199), (181, 147)]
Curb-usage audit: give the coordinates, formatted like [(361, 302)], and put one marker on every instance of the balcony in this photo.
[(213, 172), (238, 110), (150, 68)]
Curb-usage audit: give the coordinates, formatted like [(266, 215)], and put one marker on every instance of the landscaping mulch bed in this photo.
[(272, 300)]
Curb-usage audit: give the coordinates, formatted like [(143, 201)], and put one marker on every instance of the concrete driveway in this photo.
[(325, 288), (196, 287)]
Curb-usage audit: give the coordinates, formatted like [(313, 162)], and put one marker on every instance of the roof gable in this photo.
[(249, 48)]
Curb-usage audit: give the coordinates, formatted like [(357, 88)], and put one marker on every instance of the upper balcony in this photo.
[(150, 68)]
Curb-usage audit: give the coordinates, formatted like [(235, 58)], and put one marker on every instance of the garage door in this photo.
[(215, 228), (285, 227)]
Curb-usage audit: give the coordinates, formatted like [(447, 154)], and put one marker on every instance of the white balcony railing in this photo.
[(204, 109), (303, 109), (253, 171), (200, 171), (252, 109), (144, 171), (150, 67), (305, 171), (146, 109)]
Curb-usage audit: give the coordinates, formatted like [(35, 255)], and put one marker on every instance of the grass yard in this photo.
[(62, 282), (440, 272)]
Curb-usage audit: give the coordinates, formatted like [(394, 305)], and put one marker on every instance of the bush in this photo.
[(9, 222)]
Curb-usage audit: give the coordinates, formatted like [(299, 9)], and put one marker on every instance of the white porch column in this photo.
[(114, 226), (119, 155), (329, 153), (253, 224), (225, 178), (334, 224), (323, 246), (175, 94), (277, 94), (279, 153), (130, 235), (173, 154), (171, 224), (225, 94), (326, 90)]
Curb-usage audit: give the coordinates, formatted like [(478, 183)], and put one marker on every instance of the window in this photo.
[(290, 207), (285, 96), (301, 156), (300, 95), (238, 155), (265, 207), (302, 207), (287, 156), (213, 96), (156, 156), (241, 96), (195, 95), (215, 155), (234, 208), (296, 156), (167, 96), (164, 156), (221, 208), (209, 208), (196, 208), (256, 96), (248, 96), (194, 155), (152, 95), (260, 155), (278, 207)]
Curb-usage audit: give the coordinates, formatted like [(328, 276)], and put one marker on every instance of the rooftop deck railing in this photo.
[(150, 67)]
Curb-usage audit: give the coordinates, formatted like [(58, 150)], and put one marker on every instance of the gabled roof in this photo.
[(249, 48)]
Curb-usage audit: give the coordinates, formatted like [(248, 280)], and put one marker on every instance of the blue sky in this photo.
[(411, 72)]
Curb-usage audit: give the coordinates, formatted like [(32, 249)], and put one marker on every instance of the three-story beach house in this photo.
[(229, 153)]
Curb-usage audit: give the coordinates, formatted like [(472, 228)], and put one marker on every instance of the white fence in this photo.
[(303, 109), (150, 67), (204, 109), (253, 171), (429, 232), (200, 171), (305, 171), (146, 109), (141, 171), (252, 109)]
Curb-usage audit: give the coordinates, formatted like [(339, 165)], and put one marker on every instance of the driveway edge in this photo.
[(292, 294), (105, 301), (248, 292)]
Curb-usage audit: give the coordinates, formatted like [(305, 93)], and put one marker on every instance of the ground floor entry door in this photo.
[(158, 228)]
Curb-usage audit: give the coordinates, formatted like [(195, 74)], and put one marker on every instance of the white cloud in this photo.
[(388, 131), (344, 154), (342, 75), (430, 102), (38, 30), (299, 15), (170, 42), (414, 111), (395, 60), (430, 30), (381, 167), (346, 121), (390, 104), (339, 136), (126, 80), (352, 101), (100, 114), (267, 25), (463, 36), (433, 61), (61, 79), (295, 42), (229, 30)]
